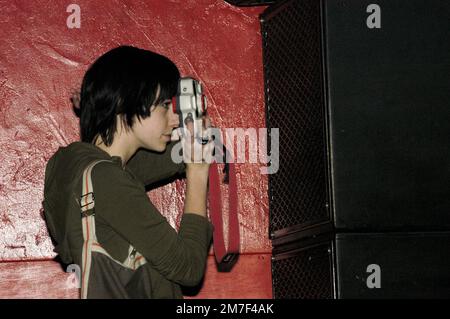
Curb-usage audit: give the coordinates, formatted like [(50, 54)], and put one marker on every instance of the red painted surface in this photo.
[(42, 63), (36, 279), (250, 278), (26, 280)]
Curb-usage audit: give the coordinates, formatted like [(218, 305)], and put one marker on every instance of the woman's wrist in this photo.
[(200, 172), (196, 193)]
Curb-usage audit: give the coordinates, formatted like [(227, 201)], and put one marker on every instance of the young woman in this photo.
[(96, 206)]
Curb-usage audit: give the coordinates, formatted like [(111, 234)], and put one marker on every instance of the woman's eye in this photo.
[(166, 105)]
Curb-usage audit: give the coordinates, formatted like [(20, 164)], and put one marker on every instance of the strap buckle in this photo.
[(87, 209), (227, 262)]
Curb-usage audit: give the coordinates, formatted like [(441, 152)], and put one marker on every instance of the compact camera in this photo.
[(190, 104)]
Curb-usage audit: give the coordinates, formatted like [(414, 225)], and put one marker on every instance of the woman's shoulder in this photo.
[(69, 162), (111, 174)]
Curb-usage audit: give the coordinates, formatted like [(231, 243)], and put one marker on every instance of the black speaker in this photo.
[(363, 265), (360, 92)]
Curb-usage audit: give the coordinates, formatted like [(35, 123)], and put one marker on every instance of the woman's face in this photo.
[(154, 132)]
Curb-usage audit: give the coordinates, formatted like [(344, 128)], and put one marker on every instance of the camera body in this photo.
[(190, 103)]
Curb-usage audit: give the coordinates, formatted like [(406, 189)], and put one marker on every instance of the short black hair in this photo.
[(123, 81)]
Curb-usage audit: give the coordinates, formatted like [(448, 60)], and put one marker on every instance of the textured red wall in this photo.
[(42, 61)]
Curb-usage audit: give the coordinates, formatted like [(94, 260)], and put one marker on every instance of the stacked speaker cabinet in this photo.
[(360, 92)]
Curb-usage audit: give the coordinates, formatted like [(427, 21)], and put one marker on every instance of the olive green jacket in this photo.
[(124, 215)]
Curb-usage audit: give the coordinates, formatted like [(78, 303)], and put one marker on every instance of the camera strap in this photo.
[(226, 258)]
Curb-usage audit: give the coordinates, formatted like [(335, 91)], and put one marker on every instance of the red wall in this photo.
[(42, 61)]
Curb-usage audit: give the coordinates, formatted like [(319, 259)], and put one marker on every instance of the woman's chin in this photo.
[(162, 147)]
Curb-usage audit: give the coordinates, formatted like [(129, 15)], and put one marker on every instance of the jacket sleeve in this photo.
[(123, 203), (150, 167)]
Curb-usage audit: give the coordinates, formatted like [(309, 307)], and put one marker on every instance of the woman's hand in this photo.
[(198, 156)]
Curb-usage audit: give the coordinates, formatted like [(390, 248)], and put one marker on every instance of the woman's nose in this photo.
[(174, 119)]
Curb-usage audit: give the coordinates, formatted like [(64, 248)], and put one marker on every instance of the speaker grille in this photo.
[(293, 89), (304, 275)]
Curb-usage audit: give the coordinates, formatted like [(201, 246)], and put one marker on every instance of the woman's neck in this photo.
[(122, 147)]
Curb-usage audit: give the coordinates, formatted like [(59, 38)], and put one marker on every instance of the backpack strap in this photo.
[(87, 205)]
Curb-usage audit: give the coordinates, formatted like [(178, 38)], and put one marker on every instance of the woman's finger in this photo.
[(206, 121), (176, 134)]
